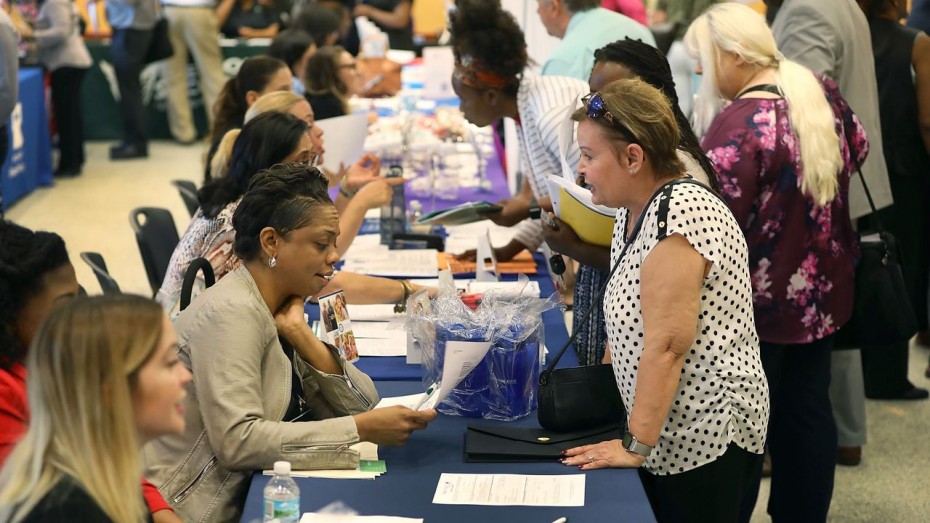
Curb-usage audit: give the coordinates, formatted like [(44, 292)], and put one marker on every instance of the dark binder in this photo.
[(502, 444)]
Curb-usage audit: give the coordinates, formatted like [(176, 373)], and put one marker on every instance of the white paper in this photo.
[(313, 517), (410, 401), (580, 193), (381, 347), (347, 139), (417, 263), (511, 489), (485, 271), (381, 330), (503, 288), (438, 66), (460, 359), (375, 312)]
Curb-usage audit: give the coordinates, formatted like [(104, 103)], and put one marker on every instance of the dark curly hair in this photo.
[(25, 258), (284, 197), (484, 31), (651, 66), (266, 140)]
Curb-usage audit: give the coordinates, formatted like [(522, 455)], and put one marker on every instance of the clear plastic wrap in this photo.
[(503, 385)]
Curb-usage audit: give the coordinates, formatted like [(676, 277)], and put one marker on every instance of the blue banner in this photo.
[(29, 162)]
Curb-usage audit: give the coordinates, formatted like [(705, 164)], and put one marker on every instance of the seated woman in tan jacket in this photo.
[(265, 388)]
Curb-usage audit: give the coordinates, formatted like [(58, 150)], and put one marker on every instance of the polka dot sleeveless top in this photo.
[(722, 396)]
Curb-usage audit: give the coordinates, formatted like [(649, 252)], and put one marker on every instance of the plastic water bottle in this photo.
[(394, 214), (282, 496)]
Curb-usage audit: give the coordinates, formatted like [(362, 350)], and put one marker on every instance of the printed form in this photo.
[(511, 489)]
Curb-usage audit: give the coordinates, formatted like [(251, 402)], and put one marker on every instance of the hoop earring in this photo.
[(273, 262)]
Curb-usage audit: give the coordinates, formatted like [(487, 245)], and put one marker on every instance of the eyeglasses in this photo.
[(594, 108)]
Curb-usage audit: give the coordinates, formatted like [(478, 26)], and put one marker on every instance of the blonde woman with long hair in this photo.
[(785, 144), (104, 378)]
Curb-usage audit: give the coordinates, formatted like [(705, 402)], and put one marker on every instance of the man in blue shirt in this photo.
[(583, 27)]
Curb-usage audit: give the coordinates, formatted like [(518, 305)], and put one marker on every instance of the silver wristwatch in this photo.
[(631, 444)]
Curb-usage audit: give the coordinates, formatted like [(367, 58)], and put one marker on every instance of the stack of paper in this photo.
[(417, 263), (523, 263), (592, 223), (369, 466), (379, 338), (460, 214)]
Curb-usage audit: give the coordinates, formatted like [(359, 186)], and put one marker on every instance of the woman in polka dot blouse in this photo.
[(785, 148), (679, 316)]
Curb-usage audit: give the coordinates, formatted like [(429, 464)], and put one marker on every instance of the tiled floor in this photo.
[(92, 214)]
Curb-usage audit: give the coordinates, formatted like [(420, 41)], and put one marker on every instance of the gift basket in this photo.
[(502, 385)]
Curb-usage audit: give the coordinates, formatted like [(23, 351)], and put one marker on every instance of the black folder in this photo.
[(503, 444)]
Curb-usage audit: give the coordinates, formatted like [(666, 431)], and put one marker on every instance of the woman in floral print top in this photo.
[(800, 253), (785, 148)]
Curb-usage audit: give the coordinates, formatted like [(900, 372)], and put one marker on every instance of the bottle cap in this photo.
[(282, 467)]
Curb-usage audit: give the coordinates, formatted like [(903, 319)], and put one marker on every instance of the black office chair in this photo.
[(187, 288), (107, 284), (188, 191), (157, 237)]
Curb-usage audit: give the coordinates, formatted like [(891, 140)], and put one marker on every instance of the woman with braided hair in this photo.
[(623, 59), (490, 57)]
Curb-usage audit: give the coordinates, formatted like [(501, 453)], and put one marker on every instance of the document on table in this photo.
[(510, 489), (352, 128), (313, 517), (415, 263), (381, 347), (383, 330), (460, 359), (378, 312)]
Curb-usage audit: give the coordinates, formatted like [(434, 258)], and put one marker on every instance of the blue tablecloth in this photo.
[(413, 472), (29, 162)]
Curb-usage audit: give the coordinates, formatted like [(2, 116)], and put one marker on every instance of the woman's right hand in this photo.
[(561, 238), (377, 193), (391, 426)]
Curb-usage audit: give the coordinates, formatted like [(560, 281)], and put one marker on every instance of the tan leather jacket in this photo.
[(236, 401)]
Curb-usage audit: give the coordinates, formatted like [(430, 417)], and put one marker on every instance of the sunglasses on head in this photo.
[(595, 108)]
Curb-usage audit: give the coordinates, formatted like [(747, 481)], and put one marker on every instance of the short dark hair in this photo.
[(651, 66), (484, 31), (319, 21), (266, 140), (289, 46), (25, 258), (576, 6), (283, 197)]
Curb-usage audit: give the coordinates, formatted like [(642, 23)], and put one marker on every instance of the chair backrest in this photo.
[(188, 191), (187, 288), (157, 237), (107, 284)]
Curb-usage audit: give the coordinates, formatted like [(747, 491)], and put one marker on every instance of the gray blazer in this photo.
[(237, 400), (58, 36), (832, 37)]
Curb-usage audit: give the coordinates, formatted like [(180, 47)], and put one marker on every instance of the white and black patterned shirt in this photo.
[(544, 104), (722, 396)]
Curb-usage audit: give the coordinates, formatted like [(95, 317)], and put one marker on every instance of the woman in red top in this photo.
[(35, 274)]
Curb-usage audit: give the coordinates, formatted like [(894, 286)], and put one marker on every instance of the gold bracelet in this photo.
[(401, 306)]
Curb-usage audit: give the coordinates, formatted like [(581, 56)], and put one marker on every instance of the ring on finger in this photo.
[(590, 458)]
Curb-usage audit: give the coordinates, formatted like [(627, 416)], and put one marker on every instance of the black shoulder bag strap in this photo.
[(665, 191)]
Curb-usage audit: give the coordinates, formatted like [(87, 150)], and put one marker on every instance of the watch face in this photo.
[(627, 440)]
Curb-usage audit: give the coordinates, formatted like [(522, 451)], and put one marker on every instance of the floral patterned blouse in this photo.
[(801, 256)]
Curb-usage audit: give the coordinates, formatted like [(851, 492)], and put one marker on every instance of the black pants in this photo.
[(4, 149), (711, 493), (127, 50), (884, 367), (802, 432), (66, 96)]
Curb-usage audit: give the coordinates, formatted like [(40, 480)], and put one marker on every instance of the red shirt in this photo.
[(14, 408)]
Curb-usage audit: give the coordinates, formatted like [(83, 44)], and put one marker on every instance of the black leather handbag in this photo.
[(504, 444), (882, 312), (580, 398), (160, 48)]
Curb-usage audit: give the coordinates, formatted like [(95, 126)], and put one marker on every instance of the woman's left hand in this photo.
[(289, 319), (606, 454)]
